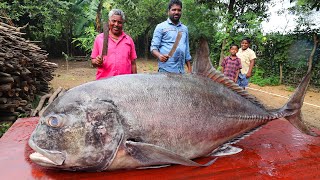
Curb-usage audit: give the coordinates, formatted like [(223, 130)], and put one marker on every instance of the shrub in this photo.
[(259, 79), (4, 127)]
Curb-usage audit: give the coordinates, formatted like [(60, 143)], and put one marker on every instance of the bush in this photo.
[(4, 127), (259, 79)]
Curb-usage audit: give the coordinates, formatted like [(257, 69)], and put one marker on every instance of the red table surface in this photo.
[(276, 151)]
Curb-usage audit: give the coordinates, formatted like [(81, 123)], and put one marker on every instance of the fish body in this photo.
[(145, 120)]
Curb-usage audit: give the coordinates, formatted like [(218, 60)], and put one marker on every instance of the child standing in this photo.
[(231, 65), (247, 57)]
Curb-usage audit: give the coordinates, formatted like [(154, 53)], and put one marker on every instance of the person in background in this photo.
[(247, 57), (164, 37), (231, 65), (121, 54)]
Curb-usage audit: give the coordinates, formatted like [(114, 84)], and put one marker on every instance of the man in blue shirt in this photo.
[(164, 37)]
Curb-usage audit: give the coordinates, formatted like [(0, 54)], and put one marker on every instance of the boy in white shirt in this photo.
[(247, 57)]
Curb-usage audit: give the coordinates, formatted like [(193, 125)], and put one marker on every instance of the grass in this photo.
[(151, 68), (290, 88), (4, 126), (261, 80)]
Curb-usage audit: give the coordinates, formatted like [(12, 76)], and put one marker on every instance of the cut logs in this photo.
[(51, 97), (25, 73)]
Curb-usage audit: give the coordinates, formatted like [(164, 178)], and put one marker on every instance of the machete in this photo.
[(105, 40), (175, 45)]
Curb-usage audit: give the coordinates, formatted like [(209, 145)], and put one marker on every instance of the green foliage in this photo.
[(243, 18), (219, 68), (72, 24), (292, 52), (86, 40), (66, 57), (4, 127), (297, 65), (305, 9), (151, 68), (39, 14), (290, 88), (23, 115), (204, 20), (35, 101), (142, 16), (87, 11), (275, 53), (260, 79), (316, 74), (200, 19), (308, 4)]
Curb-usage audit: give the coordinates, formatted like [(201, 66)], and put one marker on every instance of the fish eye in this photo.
[(54, 121)]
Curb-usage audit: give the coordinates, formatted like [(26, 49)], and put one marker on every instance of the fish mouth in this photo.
[(42, 160), (46, 158)]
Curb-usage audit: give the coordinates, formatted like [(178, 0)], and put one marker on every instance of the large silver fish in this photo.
[(145, 120)]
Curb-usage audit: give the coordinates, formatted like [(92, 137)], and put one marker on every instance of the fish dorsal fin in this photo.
[(202, 66), (202, 63)]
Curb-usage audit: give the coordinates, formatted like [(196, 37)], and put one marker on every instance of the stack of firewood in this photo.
[(24, 73)]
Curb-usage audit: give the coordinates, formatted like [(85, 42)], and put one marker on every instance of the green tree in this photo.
[(305, 9), (308, 4), (237, 19), (275, 55), (91, 15), (142, 16), (39, 14)]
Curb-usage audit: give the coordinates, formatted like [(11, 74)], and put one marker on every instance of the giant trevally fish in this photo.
[(146, 120)]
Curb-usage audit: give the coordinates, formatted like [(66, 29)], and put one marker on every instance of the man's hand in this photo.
[(163, 57), (97, 61)]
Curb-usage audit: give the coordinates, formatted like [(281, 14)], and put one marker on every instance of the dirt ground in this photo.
[(79, 72)]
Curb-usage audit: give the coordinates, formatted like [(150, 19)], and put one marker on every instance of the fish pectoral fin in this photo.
[(149, 154), (225, 150)]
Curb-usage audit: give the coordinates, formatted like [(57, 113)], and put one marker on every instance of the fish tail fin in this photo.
[(292, 109), (295, 103), (296, 121)]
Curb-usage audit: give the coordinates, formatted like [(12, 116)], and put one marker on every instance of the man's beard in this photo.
[(174, 20)]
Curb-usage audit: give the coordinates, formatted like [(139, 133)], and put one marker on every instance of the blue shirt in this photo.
[(163, 39)]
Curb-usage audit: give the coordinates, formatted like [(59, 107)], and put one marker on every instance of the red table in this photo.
[(277, 151)]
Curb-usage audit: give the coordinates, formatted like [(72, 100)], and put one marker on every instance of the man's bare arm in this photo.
[(161, 57), (134, 67)]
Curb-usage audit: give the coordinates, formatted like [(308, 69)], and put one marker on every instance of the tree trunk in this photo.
[(146, 46), (224, 42), (98, 17), (228, 30), (68, 42), (146, 43), (280, 81)]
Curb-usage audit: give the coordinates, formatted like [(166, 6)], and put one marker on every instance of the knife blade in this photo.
[(175, 45), (105, 39)]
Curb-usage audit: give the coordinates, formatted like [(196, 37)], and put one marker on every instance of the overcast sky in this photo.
[(285, 22)]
